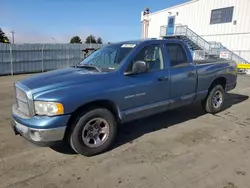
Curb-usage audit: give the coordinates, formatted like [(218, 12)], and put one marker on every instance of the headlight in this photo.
[(48, 108)]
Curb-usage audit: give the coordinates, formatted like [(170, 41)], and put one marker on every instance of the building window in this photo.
[(223, 15)]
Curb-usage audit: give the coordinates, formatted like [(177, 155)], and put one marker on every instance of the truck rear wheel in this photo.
[(215, 100), (94, 132)]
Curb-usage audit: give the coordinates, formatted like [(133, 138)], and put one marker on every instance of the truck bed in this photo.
[(209, 69), (211, 60)]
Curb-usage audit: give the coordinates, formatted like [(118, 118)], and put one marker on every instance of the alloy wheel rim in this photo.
[(95, 132), (217, 99)]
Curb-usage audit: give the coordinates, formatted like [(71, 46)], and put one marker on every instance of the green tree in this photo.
[(99, 40), (90, 39), (3, 37), (76, 40)]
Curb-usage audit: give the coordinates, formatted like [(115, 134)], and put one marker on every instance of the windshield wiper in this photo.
[(88, 66)]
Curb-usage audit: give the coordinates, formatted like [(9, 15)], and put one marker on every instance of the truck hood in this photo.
[(61, 78)]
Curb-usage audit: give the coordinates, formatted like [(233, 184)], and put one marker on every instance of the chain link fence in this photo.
[(28, 58)]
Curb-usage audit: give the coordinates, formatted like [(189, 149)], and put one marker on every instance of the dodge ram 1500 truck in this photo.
[(83, 105)]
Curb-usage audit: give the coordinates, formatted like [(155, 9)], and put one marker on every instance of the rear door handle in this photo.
[(191, 74), (164, 78)]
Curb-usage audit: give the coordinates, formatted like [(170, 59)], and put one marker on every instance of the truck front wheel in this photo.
[(94, 132), (215, 100)]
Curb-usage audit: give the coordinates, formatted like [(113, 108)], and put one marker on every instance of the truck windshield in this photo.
[(108, 57)]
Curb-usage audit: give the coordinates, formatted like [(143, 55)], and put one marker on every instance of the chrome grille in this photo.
[(22, 101)]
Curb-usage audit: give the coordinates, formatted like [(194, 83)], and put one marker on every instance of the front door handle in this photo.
[(191, 74), (164, 78)]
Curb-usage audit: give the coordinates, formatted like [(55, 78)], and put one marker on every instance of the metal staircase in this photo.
[(192, 45), (197, 43)]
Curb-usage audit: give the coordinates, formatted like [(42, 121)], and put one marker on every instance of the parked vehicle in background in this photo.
[(121, 82), (88, 51)]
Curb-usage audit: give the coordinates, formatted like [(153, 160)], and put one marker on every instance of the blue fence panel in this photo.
[(5, 66), (27, 58)]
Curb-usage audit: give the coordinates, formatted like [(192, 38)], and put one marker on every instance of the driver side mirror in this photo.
[(139, 67)]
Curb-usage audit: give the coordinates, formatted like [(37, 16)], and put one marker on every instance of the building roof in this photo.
[(169, 8)]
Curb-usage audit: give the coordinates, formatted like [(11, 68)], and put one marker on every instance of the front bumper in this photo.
[(43, 131), (42, 137)]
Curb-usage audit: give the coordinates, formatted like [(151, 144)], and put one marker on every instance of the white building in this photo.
[(225, 21)]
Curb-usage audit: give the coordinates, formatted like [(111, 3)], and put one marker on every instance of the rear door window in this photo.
[(177, 55)]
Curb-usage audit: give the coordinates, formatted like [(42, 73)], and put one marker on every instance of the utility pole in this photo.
[(13, 36)]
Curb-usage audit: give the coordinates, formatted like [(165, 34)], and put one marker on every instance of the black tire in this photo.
[(208, 104), (75, 137)]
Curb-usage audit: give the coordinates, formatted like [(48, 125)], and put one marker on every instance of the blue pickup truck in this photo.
[(83, 105)]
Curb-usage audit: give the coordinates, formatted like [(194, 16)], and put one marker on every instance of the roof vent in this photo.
[(146, 11)]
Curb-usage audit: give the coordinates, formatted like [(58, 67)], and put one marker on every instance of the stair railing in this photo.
[(211, 48), (185, 31)]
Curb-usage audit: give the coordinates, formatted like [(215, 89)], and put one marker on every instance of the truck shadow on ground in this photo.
[(133, 130), (128, 132)]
